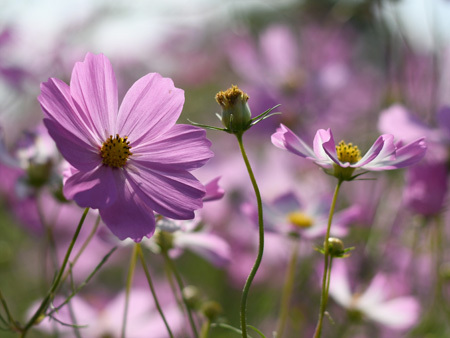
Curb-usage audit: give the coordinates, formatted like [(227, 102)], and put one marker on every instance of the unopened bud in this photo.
[(335, 247), (236, 115), (211, 309)]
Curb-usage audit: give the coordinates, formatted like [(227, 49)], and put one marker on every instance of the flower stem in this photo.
[(11, 321), (83, 247), (327, 266), (205, 329), (57, 280), (287, 289), (152, 289), (255, 267), (180, 283), (131, 269)]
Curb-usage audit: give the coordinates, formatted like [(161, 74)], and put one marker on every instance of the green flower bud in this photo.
[(236, 115), (39, 174), (211, 310), (335, 247), (164, 240), (191, 295)]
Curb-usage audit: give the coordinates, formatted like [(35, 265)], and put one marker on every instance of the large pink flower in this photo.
[(128, 162), (384, 154)]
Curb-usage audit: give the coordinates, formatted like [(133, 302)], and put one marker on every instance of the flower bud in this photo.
[(164, 240), (211, 310), (335, 247), (236, 115), (191, 295)]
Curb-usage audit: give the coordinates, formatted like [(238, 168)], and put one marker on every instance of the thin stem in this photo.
[(287, 289), (326, 269), (205, 328), (255, 267), (57, 280), (152, 289), (179, 281), (130, 275), (83, 247), (8, 313)]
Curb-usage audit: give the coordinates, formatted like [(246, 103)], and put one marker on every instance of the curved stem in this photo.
[(180, 283), (287, 289), (57, 280), (131, 269), (327, 266), (255, 267), (152, 289)]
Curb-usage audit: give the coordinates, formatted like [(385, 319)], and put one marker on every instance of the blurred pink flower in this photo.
[(426, 188), (128, 161), (396, 313), (287, 214), (143, 320)]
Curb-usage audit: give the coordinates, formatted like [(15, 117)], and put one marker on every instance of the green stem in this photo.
[(130, 275), (83, 247), (327, 266), (152, 289), (12, 322), (205, 329), (179, 281), (57, 280), (287, 289), (255, 267)]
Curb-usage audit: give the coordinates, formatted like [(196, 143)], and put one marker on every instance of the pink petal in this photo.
[(340, 285), (149, 109), (379, 156), (325, 148), (284, 138), (79, 154), (208, 246), (398, 121), (383, 147), (68, 124), (93, 86), (183, 147), (213, 191), (130, 215), (410, 154), (375, 293), (172, 194), (94, 189), (399, 313)]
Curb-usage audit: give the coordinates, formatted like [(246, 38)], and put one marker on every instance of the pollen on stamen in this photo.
[(115, 151), (348, 152)]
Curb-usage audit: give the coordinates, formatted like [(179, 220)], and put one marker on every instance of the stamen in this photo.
[(348, 152), (300, 219), (115, 151)]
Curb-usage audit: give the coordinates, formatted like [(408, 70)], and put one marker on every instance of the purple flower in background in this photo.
[(384, 154), (130, 161), (396, 313), (104, 320), (287, 214), (426, 188)]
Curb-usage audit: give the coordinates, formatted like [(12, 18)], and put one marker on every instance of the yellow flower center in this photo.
[(300, 219), (348, 152), (115, 151), (229, 97)]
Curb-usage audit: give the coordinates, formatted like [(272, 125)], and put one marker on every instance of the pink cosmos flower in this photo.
[(375, 303), (128, 162), (384, 154)]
